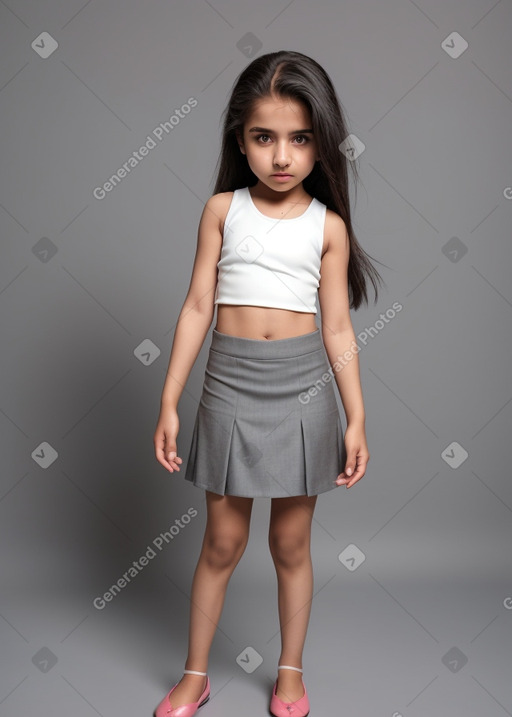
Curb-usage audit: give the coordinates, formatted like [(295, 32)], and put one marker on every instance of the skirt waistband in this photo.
[(241, 347)]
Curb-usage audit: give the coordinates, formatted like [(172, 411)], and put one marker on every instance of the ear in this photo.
[(240, 141)]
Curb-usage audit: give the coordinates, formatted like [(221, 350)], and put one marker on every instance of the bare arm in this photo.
[(189, 336), (194, 320), (339, 341)]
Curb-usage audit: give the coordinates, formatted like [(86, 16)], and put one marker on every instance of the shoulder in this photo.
[(219, 205), (335, 233), (222, 199)]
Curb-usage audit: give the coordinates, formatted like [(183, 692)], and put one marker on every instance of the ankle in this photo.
[(195, 671), (194, 681), (293, 667)]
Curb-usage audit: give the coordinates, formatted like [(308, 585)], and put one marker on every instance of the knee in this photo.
[(289, 551), (224, 550)]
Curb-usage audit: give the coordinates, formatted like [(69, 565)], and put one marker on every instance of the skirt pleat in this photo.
[(267, 424)]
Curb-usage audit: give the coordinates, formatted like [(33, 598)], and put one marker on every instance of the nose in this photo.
[(281, 154)]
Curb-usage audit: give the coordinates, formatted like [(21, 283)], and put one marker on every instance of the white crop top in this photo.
[(267, 261)]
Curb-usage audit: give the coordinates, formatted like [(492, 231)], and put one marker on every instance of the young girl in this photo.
[(276, 232)]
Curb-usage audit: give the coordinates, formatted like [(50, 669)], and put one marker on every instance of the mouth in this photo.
[(282, 174)]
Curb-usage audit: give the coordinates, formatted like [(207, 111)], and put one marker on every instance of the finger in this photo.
[(159, 443), (174, 460), (350, 467), (359, 473), (350, 476), (160, 456), (170, 451), (169, 461)]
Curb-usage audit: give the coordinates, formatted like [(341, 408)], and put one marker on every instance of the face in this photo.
[(278, 138)]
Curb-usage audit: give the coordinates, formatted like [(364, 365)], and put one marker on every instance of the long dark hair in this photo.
[(293, 75)]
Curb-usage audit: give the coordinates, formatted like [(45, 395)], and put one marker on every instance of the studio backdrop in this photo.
[(110, 131)]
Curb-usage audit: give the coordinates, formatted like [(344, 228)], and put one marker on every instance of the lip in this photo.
[(282, 174)]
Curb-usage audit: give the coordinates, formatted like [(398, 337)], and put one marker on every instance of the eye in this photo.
[(303, 139)]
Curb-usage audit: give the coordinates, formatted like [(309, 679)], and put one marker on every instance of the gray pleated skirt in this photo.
[(267, 424)]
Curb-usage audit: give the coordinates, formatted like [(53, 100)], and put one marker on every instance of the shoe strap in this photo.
[(193, 672), (287, 667)]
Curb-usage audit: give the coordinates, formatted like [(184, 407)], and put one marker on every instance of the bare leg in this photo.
[(289, 542), (225, 538)]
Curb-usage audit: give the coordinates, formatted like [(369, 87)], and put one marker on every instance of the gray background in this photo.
[(436, 581)]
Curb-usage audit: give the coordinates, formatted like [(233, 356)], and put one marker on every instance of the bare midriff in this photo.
[(261, 322)]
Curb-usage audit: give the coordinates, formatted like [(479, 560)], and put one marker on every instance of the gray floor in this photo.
[(387, 638)]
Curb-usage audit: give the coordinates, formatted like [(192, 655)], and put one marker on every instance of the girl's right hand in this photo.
[(164, 439)]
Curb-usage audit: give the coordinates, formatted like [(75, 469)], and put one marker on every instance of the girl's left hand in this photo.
[(357, 456)]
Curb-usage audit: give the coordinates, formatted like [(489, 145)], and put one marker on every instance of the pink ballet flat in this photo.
[(278, 708), (165, 708)]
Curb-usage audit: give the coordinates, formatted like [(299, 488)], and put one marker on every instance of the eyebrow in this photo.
[(270, 131)]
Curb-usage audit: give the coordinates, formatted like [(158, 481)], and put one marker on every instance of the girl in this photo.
[(267, 424)]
